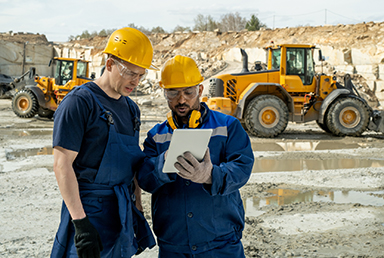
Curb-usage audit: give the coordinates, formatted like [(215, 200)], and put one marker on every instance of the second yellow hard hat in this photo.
[(180, 71)]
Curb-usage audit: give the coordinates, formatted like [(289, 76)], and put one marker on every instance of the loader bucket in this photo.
[(377, 121)]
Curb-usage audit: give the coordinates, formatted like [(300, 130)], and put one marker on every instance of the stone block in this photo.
[(232, 54), (381, 71), (379, 86), (65, 52), (345, 69), (370, 54), (380, 96), (331, 55), (367, 71), (256, 54)]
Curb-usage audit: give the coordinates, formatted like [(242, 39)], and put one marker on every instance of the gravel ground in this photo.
[(311, 194)]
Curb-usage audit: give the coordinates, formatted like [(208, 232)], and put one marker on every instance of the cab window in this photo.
[(82, 69), (276, 58), (300, 62)]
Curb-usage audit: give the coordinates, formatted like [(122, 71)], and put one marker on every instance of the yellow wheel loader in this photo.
[(290, 90), (44, 97)]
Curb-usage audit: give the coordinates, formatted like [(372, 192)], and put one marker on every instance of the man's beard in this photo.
[(185, 117)]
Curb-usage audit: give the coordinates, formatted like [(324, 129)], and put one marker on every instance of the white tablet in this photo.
[(192, 140)]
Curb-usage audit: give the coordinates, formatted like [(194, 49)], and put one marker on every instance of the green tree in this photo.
[(254, 24), (103, 33), (85, 35)]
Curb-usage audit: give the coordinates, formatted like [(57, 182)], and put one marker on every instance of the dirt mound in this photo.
[(22, 37), (212, 44)]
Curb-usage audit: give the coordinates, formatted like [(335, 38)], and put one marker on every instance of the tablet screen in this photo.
[(192, 140)]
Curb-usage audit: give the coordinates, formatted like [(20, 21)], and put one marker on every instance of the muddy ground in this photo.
[(311, 194)]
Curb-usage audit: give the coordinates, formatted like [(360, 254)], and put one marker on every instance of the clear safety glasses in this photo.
[(188, 93), (127, 73)]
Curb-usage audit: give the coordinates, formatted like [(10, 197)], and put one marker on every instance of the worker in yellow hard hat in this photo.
[(181, 81), (96, 155), (198, 211)]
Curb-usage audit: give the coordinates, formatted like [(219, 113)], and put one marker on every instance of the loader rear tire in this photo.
[(25, 104), (266, 116), (347, 117)]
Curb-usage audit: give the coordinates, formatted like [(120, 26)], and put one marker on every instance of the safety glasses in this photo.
[(127, 73), (188, 93)]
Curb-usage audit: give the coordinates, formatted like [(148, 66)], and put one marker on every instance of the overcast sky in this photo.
[(58, 19)]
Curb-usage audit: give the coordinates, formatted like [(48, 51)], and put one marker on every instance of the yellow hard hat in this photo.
[(179, 72), (131, 45)]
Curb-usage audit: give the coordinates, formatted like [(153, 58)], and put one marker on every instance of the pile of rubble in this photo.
[(208, 68), (23, 37)]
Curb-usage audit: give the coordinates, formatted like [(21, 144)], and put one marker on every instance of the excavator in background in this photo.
[(290, 90), (44, 97)]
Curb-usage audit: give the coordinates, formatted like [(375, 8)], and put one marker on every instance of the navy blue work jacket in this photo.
[(190, 217)]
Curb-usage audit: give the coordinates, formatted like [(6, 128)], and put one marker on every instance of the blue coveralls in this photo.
[(199, 220), (108, 201)]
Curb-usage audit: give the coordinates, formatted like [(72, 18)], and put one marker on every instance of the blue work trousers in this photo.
[(229, 250)]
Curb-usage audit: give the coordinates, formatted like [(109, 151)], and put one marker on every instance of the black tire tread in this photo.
[(332, 120), (257, 104), (31, 112)]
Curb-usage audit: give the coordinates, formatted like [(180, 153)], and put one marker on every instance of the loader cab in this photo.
[(69, 70), (295, 65), (64, 70), (299, 61)]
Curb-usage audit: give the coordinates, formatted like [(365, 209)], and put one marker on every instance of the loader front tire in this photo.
[(25, 104), (347, 117), (266, 116)]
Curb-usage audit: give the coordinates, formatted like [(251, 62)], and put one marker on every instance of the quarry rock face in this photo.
[(356, 49)]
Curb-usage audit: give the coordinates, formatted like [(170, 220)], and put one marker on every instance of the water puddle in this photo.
[(312, 145), (11, 155), (276, 165), (25, 132), (273, 164), (281, 197)]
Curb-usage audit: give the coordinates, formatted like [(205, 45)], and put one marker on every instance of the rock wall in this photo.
[(356, 49)]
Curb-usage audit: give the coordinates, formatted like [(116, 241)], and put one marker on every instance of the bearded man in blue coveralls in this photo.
[(96, 155), (197, 212)]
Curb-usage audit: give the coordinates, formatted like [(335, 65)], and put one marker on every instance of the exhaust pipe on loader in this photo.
[(244, 58)]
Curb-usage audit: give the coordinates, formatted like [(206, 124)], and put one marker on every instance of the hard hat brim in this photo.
[(181, 85)]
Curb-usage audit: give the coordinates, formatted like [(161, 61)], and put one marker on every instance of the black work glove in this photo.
[(87, 239)]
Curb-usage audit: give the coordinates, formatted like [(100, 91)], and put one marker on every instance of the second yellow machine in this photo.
[(44, 97), (290, 90)]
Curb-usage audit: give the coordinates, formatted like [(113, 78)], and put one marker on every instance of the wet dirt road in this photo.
[(311, 194)]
